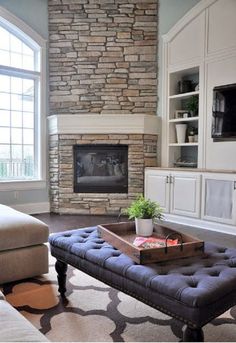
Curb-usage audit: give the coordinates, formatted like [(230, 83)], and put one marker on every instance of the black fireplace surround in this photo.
[(100, 168)]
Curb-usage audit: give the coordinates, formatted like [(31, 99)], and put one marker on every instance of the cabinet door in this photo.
[(157, 188), (185, 194), (219, 198)]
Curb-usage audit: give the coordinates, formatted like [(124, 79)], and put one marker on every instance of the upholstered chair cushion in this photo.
[(19, 230)]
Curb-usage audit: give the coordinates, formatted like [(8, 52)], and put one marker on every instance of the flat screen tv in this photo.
[(224, 113)]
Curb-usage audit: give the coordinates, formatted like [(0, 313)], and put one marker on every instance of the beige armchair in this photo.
[(23, 253)]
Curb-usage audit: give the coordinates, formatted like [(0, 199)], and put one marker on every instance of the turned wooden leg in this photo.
[(193, 335), (61, 269)]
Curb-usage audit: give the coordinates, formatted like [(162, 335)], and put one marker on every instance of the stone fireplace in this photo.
[(139, 137), (103, 91)]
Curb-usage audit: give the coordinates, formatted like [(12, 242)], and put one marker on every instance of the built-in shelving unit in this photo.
[(183, 91), (199, 50)]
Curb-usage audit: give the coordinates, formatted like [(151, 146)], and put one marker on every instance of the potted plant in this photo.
[(191, 133), (144, 211), (192, 105)]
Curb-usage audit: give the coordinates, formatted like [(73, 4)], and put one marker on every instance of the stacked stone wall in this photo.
[(103, 56)]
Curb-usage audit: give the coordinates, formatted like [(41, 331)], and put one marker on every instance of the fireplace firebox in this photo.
[(100, 168)]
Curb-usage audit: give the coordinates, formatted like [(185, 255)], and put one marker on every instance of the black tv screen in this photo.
[(224, 112)]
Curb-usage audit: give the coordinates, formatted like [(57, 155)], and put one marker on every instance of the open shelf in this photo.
[(184, 144), (183, 95), (179, 120)]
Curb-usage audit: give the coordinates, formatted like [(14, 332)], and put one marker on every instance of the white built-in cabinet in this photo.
[(201, 195), (157, 188), (177, 193), (219, 198), (185, 194), (200, 48)]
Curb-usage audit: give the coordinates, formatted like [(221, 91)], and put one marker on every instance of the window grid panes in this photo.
[(18, 109), (14, 52)]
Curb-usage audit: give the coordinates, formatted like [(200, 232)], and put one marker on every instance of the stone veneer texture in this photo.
[(103, 56), (141, 154)]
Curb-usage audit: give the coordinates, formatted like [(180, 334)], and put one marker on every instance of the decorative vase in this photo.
[(181, 132), (191, 139), (144, 227)]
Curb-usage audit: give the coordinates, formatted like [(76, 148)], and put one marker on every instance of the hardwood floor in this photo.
[(57, 222), (64, 222)]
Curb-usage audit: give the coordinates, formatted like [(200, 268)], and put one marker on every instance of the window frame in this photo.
[(24, 32)]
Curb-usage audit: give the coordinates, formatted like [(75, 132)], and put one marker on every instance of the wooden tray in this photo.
[(121, 236)]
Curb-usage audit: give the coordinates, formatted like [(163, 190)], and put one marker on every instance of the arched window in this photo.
[(20, 104)]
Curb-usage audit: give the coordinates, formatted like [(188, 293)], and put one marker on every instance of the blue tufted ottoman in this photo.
[(194, 290)]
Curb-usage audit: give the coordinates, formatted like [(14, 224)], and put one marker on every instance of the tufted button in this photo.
[(67, 235), (96, 247), (116, 253), (84, 235), (222, 250), (214, 274), (99, 241)]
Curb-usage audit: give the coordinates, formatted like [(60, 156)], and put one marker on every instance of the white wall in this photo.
[(32, 12)]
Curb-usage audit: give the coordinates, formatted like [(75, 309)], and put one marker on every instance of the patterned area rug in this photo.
[(95, 312)]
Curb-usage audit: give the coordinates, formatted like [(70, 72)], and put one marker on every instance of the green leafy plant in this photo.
[(191, 131), (192, 104), (144, 209)]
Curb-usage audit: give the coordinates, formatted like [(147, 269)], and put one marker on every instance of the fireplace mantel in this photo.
[(104, 124)]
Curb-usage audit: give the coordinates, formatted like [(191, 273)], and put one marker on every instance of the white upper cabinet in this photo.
[(221, 26), (183, 47), (219, 155), (200, 48)]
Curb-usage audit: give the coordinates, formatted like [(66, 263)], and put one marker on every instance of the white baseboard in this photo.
[(202, 224), (32, 208)]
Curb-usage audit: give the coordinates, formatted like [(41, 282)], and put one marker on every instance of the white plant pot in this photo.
[(181, 132), (144, 227), (191, 139)]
